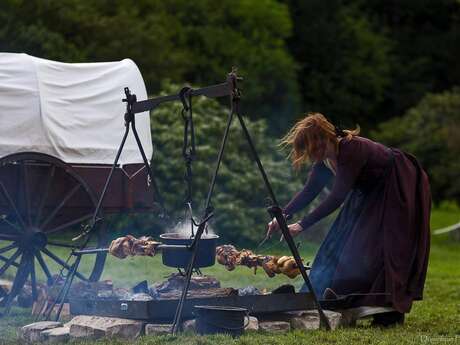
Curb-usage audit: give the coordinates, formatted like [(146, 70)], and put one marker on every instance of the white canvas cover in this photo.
[(71, 111)]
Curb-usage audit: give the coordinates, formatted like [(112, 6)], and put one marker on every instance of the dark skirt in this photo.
[(379, 242)]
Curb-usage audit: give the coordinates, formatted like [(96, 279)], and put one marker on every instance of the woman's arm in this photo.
[(351, 160), (319, 176)]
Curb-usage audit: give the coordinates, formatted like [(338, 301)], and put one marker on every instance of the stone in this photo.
[(157, 329), (309, 320), (141, 296), (31, 333), (95, 327), (189, 325), (306, 322), (55, 335), (6, 285), (334, 317), (252, 325), (275, 326)]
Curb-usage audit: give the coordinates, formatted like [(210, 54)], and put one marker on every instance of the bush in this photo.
[(430, 131)]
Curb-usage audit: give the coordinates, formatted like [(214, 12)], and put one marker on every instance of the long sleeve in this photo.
[(352, 158), (319, 176)]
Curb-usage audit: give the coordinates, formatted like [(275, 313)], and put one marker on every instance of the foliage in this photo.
[(359, 62), (179, 40), (430, 132), (240, 196), (367, 61), (344, 62), (425, 54)]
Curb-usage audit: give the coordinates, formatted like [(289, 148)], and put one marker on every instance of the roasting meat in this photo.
[(230, 257), (227, 255), (128, 245)]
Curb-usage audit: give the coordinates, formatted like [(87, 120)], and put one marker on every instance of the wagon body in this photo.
[(74, 112)]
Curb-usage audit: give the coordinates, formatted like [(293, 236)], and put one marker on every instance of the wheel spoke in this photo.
[(12, 205), (7, 222), (33, 278), (8, 247), (4, 237), (61, 204), (19, 282), (45, 195), (5, 259), (26, 194), (69, 224), (44, 267), (10, 261), (63, 264)]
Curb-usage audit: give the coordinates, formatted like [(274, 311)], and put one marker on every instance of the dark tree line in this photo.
[(357, 61), (366, 62)]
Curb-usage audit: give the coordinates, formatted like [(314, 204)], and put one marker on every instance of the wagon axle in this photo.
[(33, 240)]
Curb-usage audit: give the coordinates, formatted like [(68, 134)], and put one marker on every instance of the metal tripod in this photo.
[(274, 210)]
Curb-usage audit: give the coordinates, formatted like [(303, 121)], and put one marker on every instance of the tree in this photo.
[(430, 132), (177, 40), (425, 54), (344, 62)]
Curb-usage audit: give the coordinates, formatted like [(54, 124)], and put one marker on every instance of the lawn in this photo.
[(433, 320)]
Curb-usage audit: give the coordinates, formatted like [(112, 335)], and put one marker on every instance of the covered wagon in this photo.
[(60, 128)]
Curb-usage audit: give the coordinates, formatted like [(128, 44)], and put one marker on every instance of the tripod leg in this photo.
[(188, 277), (178, 314), (67, 286), (71, 274), (256, 158), (147, 166), (275, 211), (219, 160), (109, 178)]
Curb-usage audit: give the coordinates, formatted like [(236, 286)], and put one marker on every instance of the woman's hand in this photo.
[(295, 229), (273, 227)]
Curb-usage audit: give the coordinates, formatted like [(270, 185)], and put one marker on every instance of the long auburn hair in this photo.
[(309, 139)]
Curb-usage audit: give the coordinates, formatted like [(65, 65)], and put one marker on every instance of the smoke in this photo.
[(185, 229)]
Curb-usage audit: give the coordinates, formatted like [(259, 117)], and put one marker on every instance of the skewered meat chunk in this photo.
[(230, 257), (120, 247), (128, 245), (227, 255)]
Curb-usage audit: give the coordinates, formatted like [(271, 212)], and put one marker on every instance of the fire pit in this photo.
[(163, 310), (204, 290)]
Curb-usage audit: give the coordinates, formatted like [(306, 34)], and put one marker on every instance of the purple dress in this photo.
[(379, 243)]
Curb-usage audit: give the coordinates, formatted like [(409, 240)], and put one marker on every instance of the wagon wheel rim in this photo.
[(27, 235)]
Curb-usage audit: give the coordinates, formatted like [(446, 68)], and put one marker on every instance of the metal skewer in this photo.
[(105, 250)]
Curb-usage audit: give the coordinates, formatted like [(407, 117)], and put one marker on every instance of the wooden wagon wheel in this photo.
[(43, 203)]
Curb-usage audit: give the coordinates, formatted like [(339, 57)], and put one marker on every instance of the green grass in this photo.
[(433, 320)]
